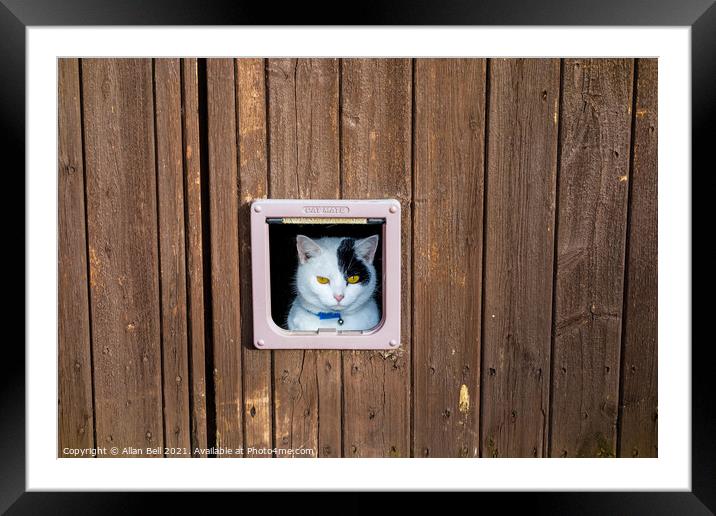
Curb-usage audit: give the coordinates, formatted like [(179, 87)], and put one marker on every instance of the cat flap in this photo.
[(326, 274)]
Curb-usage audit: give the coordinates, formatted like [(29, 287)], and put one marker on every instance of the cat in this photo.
[(335, 284)]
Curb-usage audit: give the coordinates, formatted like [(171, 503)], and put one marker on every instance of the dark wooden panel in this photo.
[(304, 164), (638, 436), (194, 254), (151, 234), (170, 200), (519, 240), (124, 268), (76, 426), (595, 142), (376, 162), (225, 280), (251, 106), (447, 262)]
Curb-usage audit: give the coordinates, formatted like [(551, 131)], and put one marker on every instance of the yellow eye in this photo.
[(353, 279), (322, 280)]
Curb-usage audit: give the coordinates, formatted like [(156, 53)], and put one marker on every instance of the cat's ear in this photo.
[(307, 248), (366, 247)]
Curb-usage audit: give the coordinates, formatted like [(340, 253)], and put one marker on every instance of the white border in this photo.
[(670, 471)]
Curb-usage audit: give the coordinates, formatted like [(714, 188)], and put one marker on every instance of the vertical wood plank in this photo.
[(519, 240), (124, 268), (170, 200), (638, 427), (251, 107), (447, 269), (376, 160), (194, 255), (225, 282), (76, 426), (595, 142), (304, 164)]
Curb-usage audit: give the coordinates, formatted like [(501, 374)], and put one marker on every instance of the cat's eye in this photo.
[(353, 279), (322, 280)]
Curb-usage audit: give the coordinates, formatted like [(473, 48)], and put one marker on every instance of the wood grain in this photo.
[(519, 240), (447, 261), (251, 113), (76, 425), (170, 202), (123, 256), (638, 429), (194, 255), (376, 162), (224, 237), (592, 209), (304, 164), (158, 165)]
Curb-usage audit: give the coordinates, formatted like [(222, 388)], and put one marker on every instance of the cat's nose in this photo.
[(338, 297)]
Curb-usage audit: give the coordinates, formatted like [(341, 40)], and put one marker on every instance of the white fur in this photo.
[(358, 308)]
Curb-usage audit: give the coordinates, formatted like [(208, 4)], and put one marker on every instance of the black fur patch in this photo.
[(349, 263)]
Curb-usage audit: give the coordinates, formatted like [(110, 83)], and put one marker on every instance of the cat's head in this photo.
[(336, 274)]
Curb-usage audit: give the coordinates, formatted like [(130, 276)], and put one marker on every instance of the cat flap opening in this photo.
[(326, 274)]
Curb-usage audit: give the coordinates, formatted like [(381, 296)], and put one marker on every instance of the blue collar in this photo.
[(324, 315), (327, 315)]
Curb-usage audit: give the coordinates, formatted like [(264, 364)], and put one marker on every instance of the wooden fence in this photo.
[(529, 265)]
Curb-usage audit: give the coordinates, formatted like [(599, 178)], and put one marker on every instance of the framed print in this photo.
[(418, 253)]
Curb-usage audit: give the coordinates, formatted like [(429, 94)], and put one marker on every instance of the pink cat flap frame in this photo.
[(267, 334)]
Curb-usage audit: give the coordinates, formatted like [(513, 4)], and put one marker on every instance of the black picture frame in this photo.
[(700, 15)]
